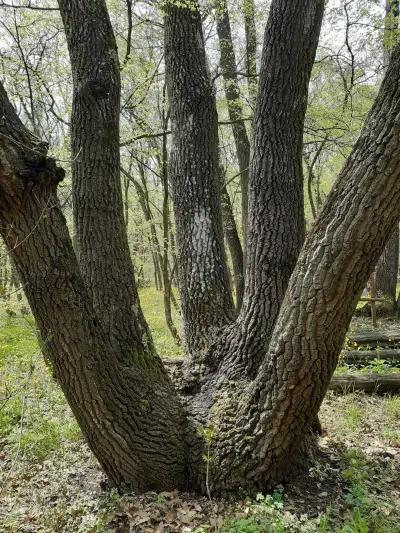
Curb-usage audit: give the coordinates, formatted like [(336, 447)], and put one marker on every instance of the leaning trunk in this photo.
[(124, 403)]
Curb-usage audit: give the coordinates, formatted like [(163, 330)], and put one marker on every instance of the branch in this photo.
[(29, 6)]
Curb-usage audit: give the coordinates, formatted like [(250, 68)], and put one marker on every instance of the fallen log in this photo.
[(344, 383), (375, 338), (371, 383), (351, 357)]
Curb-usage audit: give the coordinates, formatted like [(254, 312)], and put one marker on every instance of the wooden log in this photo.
[(364, 356), (371, 383), (375, 338)]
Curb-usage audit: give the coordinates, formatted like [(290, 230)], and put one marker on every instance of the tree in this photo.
[(235, 107), (255, 400)]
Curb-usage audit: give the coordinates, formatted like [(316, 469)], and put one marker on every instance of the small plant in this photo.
[(208, 435), (354, 417), (393, 408), (358, 524), (274, 500), (378, 366)]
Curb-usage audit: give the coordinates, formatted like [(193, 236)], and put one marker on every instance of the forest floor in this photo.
[(50, 482)]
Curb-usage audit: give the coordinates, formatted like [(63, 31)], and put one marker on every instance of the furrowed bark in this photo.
[(234, 103), (259, 436), (276, 210), (104, 256), (126, 406), (203, 276)]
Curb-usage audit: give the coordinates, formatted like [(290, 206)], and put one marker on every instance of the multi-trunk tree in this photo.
[(258, 377)]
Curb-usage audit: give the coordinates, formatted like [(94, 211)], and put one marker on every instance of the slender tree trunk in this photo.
[(194, 172), (387, 269), (251, 49), (104, 255), (235, 108), (166, 227), (234, 244), (124, 403)]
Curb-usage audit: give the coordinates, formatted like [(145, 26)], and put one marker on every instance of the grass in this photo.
[(152, 305)]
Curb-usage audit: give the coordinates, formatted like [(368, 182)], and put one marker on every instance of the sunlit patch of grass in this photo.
[(392, 436), (153, 308), (34, 417)]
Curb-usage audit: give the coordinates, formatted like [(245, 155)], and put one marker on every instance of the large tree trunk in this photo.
[(233, 99), (206, 299), (104, 256), (124, 403), (276, 206)]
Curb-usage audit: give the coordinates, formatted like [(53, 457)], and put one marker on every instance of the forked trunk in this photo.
[(123, 400), (260, 429), (276, 212)]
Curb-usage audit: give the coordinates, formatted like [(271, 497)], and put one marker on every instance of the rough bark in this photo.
[(194, 173), (126, 406), (234, 103), (276, 223), (104, 256), (259, 435), (276, 211), (251, 49)]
